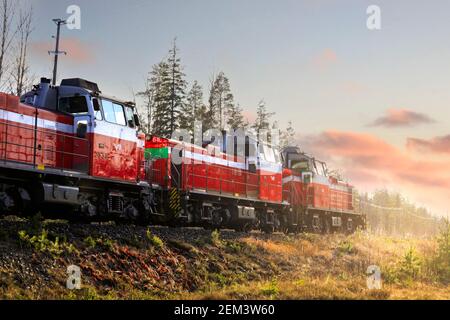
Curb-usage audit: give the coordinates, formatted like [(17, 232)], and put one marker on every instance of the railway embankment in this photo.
[(41, 260)]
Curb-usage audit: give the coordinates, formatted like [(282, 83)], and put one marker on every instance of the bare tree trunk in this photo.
[(20, 74), (6, 34)]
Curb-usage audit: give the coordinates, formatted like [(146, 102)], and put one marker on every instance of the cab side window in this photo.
[(120, 116), (130, 117), (74, 105), (97, 110)]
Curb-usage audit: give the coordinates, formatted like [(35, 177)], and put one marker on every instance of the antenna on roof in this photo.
[(58, 22)]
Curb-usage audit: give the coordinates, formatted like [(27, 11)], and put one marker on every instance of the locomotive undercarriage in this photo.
[(83, 199), (217, 211), (73, 197), (322, 221)]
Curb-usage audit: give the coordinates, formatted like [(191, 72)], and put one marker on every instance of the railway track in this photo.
[(109, 229)]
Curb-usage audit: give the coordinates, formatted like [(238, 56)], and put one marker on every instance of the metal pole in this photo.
[(55, 65), (58, 22)]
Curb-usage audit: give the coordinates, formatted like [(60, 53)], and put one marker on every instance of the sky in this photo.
[(373, 103)]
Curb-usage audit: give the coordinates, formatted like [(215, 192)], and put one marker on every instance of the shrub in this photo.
[(154, 240), (346, 246), (215, 238), (410, 265), (107, 243), (234, 246), (404, 270), (90, 242), (441, 262), (42, 243), (271, 289)]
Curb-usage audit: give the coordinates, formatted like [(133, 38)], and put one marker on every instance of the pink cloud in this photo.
[(325, 59), (77, 51), (401, 118), (437, 144), (370, 163)]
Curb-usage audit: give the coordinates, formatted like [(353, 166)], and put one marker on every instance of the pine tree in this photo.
[(235, 118), (262, 121), (177, 87), (162, 121), (155, 97), (287, 137), (165, 95), (220, 100), (194, 109)]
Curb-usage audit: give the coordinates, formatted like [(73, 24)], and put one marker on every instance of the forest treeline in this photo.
[(390, 213)]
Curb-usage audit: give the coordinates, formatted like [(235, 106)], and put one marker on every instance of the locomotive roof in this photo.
[(114, 99), (93, 89), (81, 83), (48, 94)]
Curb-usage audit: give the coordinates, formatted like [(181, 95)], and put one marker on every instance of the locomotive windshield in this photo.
[(300, 165)]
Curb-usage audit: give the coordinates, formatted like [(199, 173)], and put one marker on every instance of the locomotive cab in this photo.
[(299, 163), (99, 132)]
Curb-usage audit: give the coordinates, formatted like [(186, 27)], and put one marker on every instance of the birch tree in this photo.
[(7, 13), (20, 79)]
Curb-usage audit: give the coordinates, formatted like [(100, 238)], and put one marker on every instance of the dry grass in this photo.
[(334, 267), (272, 246)]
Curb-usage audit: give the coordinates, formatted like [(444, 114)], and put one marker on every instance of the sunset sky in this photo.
[(374, 104)]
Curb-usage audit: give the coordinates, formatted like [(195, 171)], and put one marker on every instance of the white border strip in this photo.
[(29, 120)]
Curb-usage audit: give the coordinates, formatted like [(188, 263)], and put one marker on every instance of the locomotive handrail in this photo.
[(189, 179), (42, 148), (49, 129), (177, 181), (221, 180)]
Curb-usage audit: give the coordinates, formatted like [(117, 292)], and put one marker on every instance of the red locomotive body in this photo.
[(324, 202), (210, 170), (23, 126), (225, 188)]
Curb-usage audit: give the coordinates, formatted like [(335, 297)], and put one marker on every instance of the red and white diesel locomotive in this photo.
[(70, 149)]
